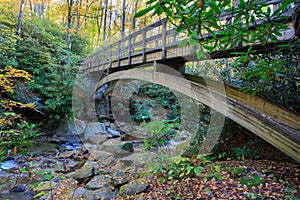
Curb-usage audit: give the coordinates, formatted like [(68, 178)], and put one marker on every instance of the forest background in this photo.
[(43, 44)]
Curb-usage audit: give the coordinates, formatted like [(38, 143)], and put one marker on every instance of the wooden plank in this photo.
[(110, 56), (154, 38), (164, 37), (103, 59), (154, 25), (139, 32), (129, 50), (144, 46), (137, 44), (118, 57)]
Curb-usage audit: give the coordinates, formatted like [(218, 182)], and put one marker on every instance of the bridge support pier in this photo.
[(92, 97), (163, 66), (94, 78)]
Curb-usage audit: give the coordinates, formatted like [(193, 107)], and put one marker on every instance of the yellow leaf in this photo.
[(15, 150)]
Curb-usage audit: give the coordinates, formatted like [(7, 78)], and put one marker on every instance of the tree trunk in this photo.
[(99, 22), (43, 8), (69, 24), (20, 19), (37, 9), (30, 6), (105, 19), (48, 8), (134, 12), (296, 18), (77, 14), (109, 23), (123, 18)]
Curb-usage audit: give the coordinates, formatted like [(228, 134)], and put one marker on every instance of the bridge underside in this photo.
[(252, 112)]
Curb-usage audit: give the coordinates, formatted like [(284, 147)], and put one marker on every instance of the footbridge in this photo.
[(157, 45)]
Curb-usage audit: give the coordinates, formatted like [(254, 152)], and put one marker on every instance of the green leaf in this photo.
[(208, 47), (183, 43), (48, 176), (24, 170), (201, 55), (39, 194), (285, 3), (145, 11), (159, 10), (150, 1), (197, 170), (217, 168), (169, 12)]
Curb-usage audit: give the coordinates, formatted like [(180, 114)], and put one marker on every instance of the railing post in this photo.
[(163, 39), (103, 58), (118, 54), (110, 56), (129, 50), (144, 44), (88, 64), (92, 62)]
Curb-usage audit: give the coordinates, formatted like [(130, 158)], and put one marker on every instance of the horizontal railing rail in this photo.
[(158, 37)]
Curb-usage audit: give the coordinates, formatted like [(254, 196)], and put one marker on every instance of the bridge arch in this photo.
[(227, 102)]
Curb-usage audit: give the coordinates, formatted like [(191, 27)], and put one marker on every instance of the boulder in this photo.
[(98, 182), (140, 134), (112, 126), (96, 139), (133, 188), (18, 188), (113, 133), (80, 126), (94, 128), (79, 193), (23, 192), (71, 164), (90, 147), (45, 186), (105, 157), (86, 171), (66, 154), (109, 161), (103, 128), (118, 148), (119, 179), (69, 127), (137, 160), (105, 193), (59, 167)]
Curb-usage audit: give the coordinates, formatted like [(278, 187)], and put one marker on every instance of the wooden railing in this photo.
[(158, 41)]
